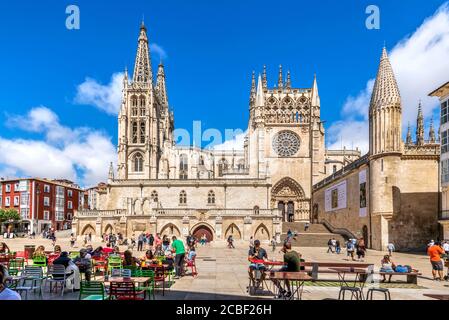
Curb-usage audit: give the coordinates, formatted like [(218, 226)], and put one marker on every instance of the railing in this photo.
[(101, 213), (444, 215), (236, 171), (342, 231)]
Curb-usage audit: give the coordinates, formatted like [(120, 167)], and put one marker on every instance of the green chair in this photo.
[(132, 268), (74, 254), (16, 266), (40, 261), (114, 262), (149, 286), (92, 290)]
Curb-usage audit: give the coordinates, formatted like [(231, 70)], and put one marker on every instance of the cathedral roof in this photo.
[(385, 91)]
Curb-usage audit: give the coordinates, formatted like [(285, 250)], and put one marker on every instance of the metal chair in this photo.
[(33, 280), (92, 290), (355, 292), (385, 291), (56, 274)]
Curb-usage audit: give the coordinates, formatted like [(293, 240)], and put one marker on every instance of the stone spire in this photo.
[(288, 84), (408, 139), (431, 132), (260, 97), (111, 173), (125, 78), (253, 85), (420, 126), (280, 80), (264, 78), (142, 67), (385, 111), (386, 90), (160, 83), (315, 96)]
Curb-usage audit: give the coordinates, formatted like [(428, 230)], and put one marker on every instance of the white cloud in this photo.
[(157, 49), (104, 97), (81, 154), (420, 62), (236, 143), (349, 133)]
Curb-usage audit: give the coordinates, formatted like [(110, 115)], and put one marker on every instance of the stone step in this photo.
[(299, 227), (313, 239)]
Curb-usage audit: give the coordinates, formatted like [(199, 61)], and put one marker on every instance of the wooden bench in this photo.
[(412, 277)]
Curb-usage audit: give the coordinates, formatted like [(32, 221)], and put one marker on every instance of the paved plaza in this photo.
[(223, 273)]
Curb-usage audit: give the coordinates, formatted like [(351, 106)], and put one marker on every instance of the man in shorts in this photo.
[(435, 252), (256, 256)]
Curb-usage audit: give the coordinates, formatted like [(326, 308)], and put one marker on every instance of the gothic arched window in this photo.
[(138, 163), (183, 167), (142, 132), (256, 210), (154, 196), (211, 197), (134, 106), (182, 197), (142, 106), (241, 164), (201, 161), (134, 132)]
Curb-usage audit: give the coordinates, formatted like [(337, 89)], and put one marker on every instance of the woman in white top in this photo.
[(6, 293)]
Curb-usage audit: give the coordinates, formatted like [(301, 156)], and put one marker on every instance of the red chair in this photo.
[(99, 264), (124, 291), (192, 265), (52, 257)]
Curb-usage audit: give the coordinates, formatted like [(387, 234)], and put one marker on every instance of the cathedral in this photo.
[(159, 187)]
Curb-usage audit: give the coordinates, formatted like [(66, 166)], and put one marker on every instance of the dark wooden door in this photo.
[(201, 230)]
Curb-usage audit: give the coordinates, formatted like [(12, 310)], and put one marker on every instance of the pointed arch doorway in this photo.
[(201, 230), (288, 196)]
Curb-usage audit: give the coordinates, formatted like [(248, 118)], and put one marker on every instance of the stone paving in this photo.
[(223, 273)]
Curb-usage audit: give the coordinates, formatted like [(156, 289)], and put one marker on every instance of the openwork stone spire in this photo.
[(385, 91), (420, 126), (264, 78), (111, 172), (260, 97), (280, 80), (431, 132), (142, 67), (408, 139), (288, 84), (253, 85), (160, 83), (315, 95)]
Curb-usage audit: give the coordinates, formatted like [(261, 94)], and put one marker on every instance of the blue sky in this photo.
[(211, 48)]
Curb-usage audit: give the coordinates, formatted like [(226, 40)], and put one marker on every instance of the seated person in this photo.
[(57, 249), (257, 256), (84, 264), (97, 253), (39, 253), (6, 293), (129, 260), (292, 262), (148, 258), (387, 265), (116, 250), (4, 248), (73, 278), (89, 249), (192, 254)]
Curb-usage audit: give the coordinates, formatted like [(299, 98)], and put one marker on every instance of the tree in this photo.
[(8, 216)]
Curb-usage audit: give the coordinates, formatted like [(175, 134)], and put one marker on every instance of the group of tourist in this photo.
[(436, 251), (354, 247)]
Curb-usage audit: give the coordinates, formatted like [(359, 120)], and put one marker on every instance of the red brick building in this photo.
[(42, 203)]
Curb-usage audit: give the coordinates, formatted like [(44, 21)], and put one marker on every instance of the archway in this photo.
[(88, 229), (109, 229), (201, 230), (170, 230), (365, 235), (289, 197), (234, 231), (262, 233)]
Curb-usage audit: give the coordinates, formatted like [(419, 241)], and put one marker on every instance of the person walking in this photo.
[(151, 241), (329, 246), (390, 248), (72, 240), (435, 252), (361, 249), (140, 242), (306, 226), (180, 252), (350, 250), (337, 247), (273, 243), (251, 242)]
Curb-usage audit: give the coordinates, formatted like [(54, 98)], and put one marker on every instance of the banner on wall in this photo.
[(362, 193), (335, 197)]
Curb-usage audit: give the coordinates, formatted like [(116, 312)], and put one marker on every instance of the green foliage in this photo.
[(9, 214)]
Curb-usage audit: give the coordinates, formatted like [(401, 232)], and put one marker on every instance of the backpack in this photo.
[(401, 269)]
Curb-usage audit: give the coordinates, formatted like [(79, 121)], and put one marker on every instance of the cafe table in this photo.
[(444, 297), (296, 281)]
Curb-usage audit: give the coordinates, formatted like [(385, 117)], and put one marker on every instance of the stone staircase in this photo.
[(316, 236)]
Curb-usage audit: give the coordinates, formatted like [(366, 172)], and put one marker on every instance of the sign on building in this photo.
[(335, 197), (362, 193)]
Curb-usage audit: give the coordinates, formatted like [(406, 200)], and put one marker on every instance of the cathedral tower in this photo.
[(385, 150)]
